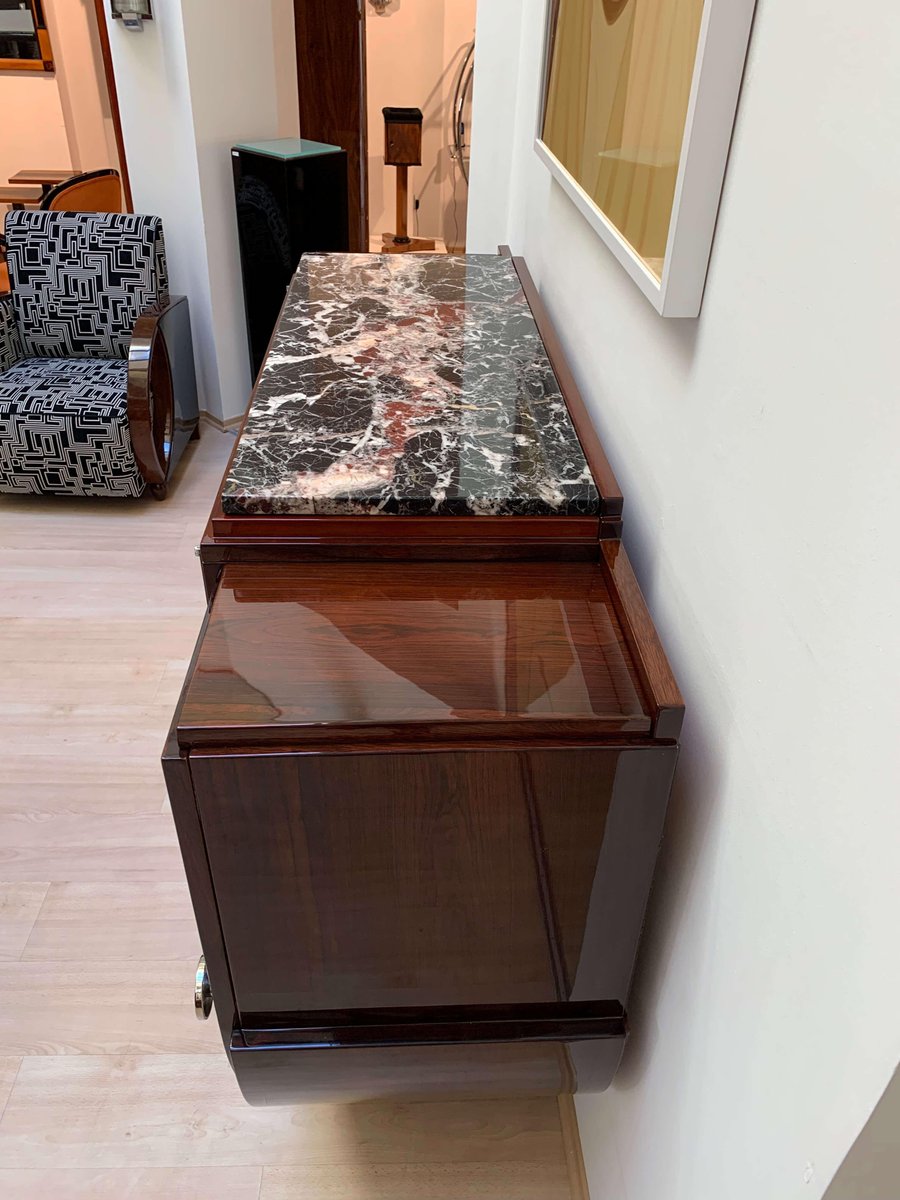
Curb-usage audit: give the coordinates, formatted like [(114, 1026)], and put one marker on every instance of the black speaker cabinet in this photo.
[(291, 197)]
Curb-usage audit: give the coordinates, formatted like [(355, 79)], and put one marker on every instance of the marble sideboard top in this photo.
[(412, 385)]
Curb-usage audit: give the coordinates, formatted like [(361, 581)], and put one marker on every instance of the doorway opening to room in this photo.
[(61, 141), (356, 58)]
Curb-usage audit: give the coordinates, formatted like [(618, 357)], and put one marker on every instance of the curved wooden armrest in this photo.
[(151, 400)]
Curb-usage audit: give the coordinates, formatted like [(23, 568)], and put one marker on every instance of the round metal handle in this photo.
[(203, 1000)]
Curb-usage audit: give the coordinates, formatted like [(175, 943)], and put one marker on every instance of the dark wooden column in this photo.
[(331, 82)]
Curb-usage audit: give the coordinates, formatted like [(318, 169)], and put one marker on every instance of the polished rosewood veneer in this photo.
[(420, 788)]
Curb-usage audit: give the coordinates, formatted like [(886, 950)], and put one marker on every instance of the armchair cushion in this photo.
[(10, 342), (80, 280), (64, 428)]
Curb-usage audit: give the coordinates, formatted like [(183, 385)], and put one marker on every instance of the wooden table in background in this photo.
[(376, 246), (20, 197), (45, 178)]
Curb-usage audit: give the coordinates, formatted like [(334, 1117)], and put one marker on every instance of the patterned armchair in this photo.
[(98, 395)]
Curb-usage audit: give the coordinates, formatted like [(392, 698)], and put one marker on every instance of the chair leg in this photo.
[(158, 490), (195, 435)]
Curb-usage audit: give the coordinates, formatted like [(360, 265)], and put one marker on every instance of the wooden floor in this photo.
[(109, 1087)]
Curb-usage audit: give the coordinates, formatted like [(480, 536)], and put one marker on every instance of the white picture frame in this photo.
[(715, 88)]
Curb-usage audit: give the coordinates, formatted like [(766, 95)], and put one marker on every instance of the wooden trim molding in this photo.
[(109, 72), (231, 425), (568, 1122), (663, 696)]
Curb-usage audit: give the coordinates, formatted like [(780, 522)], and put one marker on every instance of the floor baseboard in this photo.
[(578, 1184), (229, 426)]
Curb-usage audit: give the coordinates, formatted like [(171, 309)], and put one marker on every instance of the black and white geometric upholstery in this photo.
[(80, 280), (10, 341), (64, 428)]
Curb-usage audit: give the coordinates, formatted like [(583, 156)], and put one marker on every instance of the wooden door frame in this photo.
[(109, 71), (359, 230)]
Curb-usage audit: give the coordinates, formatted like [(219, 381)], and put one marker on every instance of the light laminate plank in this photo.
[(168, 1110), (95, 922), (414, 1181), (9, 1068), (77, 683), (89, 848), (20, 904), (142, 1183), (24, 640), (37, 784), (137, 1007), (105, 730)]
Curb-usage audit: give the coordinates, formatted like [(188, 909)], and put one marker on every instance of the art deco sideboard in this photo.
[(421, 762)]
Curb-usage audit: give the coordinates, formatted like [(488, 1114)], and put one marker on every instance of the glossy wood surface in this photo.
[(321, 652), (464, 1072), (216, 552), (370, 881), (203, 898), (415, 1073), (364, 532), (666, 701), (331, 84), (435, 1026), (411, 880), (162, 391), (402, 137), (151, 402)]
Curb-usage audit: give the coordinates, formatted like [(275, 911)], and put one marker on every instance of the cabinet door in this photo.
[(376, 880)]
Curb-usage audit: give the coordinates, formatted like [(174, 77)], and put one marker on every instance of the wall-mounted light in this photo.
[(132, 13), (380, 6)]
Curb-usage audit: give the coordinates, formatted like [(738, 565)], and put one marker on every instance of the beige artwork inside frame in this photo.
[(617, 98), (638, 106)]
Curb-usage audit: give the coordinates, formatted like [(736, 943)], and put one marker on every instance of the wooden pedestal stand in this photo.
[(403, 149)]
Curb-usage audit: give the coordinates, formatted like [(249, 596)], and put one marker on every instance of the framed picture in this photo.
[(24, 40), (635, 123)]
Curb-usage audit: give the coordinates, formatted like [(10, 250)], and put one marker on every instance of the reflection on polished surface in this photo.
[(423, 1073), (433, 643)]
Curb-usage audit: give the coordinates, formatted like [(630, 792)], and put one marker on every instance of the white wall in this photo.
[(234, 86), (757, 449), (83, 92), (202, 76), (32, 128), (60, 119), (413, 54)]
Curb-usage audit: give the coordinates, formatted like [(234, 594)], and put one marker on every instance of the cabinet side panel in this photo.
[(193, 852), (624, 872)]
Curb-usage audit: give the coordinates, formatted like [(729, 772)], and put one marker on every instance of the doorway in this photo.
[(58, 97), (358, 57)]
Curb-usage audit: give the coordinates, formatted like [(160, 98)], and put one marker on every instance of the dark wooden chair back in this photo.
[(93, 191)]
